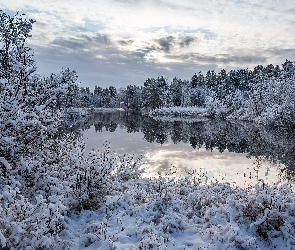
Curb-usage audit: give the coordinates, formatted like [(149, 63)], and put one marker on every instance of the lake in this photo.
[(239, 153)]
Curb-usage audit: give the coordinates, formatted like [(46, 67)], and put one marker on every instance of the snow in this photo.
[(5, 163), (160, 213), (182, 112), (2, 240)]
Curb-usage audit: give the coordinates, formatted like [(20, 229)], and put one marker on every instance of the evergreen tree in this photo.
[(176, 92)]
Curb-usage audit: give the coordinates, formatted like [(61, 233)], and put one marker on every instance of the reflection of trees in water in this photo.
[(276, 145), (154, 131), (110, 121)]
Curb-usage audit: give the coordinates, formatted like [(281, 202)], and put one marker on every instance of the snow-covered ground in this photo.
[(86, 111), (182, 113), (159, 213)]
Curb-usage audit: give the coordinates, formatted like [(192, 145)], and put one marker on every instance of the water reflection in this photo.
[(276, 145)]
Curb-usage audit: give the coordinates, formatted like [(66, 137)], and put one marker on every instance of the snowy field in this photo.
[(164, 213)]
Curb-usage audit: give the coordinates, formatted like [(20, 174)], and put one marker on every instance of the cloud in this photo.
[(226, 60), (125, 42), (241, 59), (166, 43), (97, 38), (186, 41), (82, 45)]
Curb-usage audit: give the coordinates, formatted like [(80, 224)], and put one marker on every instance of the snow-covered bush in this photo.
[(215, 107), (129, 167), (92, 179), (163, 213), (34, 179), (29, 222), (271, 211)]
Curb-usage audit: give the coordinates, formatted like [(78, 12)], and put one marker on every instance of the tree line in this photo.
[(266, 92)]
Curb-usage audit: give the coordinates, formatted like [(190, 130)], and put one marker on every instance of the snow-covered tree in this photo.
[(155, 93), (32, 158)]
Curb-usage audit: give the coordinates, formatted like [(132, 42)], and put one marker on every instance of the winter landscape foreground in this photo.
[(55, 195)]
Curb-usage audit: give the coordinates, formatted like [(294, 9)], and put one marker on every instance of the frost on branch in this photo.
[(33, 184)]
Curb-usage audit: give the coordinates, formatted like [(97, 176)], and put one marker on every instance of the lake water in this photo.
[(238, 153)]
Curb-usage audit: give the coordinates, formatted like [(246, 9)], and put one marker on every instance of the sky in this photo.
[(122, 42)]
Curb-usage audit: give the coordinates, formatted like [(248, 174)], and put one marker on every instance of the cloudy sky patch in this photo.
[(121, 42)]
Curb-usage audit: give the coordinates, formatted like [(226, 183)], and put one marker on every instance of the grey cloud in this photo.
[(166, 43), (82, 41), (193, 57), (135, 55), (41, 24), (186, 41), (98, 38), (125, 42), (68, 44), (100, 47), (225, 58), (251, 58), (287, 51), (283, 52), (147, 49)]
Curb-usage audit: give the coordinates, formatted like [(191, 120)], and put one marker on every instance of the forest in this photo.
[(264, 94)]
